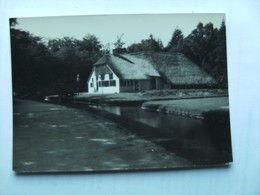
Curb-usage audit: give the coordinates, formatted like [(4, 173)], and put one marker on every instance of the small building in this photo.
[(145, 71)]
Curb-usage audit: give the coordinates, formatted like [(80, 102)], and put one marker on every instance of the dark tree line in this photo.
[(31, 63), (205, 45), (61, 65), (41, 68), (150, 44)]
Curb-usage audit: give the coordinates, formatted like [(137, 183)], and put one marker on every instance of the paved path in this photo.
[(56, 138)]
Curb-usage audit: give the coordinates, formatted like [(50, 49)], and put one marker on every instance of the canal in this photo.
[(200, 142)]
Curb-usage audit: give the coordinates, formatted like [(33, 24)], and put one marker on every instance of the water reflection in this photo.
[(199, 141)]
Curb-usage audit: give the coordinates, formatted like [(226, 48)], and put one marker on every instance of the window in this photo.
[(102, 77), (110, 76), (92, 79), (112, 83), (105, 83), (91, 84)]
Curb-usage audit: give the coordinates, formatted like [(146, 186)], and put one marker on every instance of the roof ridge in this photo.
[(102, 60), (124, 58)]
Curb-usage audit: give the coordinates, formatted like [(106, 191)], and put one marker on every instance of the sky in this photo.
[(133, 28)]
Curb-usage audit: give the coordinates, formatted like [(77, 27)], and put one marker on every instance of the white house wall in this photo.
[(91, 89), (102, 89), (109, 89)]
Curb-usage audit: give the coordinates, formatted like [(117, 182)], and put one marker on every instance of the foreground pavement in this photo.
[(56, 138)]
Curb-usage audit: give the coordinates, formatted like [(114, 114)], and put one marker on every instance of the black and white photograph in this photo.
[(133, 92)]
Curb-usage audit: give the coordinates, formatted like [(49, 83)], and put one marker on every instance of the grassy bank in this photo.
[(211, 109), (152, 95), (208, 104)]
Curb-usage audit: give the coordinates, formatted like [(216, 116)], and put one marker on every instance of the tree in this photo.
[(13, 22), (90, 50), (90, 44), (220, 56), (176, 42), (206, 46), (30, 63), (135, 47), (38, 69), (74, 58), (149, 44), (63, 52)]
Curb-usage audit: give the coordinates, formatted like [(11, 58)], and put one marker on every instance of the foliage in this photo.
[(149, 44), (62, 64), (74, 57), (30, 62), (206, 46), (176, 42), (13, 22)]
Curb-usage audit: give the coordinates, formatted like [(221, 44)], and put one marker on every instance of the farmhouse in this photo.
[(145, 71)]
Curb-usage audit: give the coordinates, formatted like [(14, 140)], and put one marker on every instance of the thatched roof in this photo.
[(174, 68), (136, 68)]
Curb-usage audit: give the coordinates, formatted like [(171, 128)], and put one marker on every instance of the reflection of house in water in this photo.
[(145, 71)]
